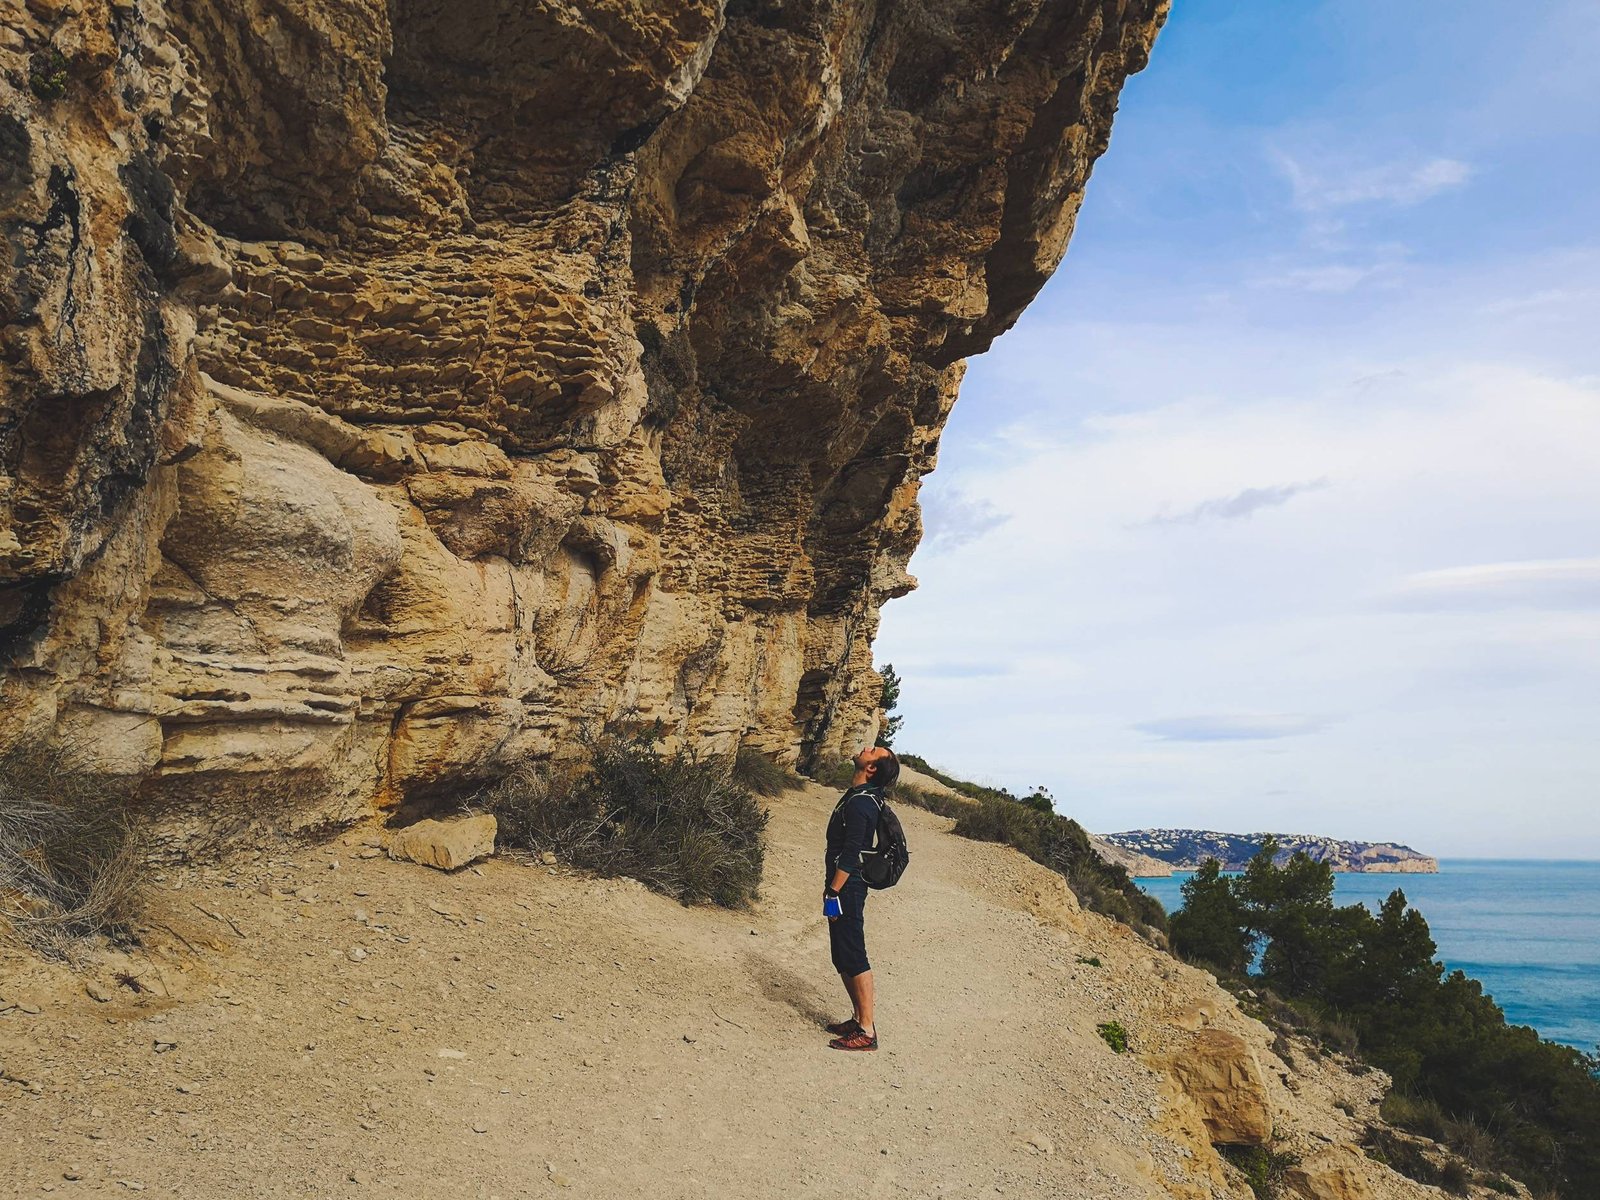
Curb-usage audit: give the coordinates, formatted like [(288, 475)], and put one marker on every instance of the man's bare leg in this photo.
[(861, 995)]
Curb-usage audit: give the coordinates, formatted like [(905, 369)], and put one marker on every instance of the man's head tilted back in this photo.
[(883, 768)]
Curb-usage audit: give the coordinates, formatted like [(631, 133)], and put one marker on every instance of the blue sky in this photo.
[(1280, 508)]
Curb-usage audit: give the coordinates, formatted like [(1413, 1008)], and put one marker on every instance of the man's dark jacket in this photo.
[(852, 829)]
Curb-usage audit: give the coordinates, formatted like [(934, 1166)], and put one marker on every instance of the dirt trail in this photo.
[(515, 1031)]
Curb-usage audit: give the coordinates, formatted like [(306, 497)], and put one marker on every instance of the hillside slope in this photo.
[(517, 1030)]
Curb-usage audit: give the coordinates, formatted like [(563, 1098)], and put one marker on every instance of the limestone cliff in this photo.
[(1187, 849), (1137, 865), (388, 390)]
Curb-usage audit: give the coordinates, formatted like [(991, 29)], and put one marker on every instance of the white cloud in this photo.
[(1240, 504), (1331, 185), (1232, 727), (1548, 583), (1094, 620)]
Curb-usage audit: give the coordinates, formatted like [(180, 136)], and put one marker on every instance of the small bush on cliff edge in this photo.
[(937, 803), (72, 862), (675, 822), (47, 73), (1061, 844)]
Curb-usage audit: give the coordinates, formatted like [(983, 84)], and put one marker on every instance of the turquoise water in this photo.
[(1530, 931)]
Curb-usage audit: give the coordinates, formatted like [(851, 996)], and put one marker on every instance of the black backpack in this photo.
[(883, 865)]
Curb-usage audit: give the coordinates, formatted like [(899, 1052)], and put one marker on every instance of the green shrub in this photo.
[(1263, 1167), (1040, 800), (975, 791), (1466, 1139), (1417, 1114), (1210, 927), (47, 73), (1009, 823), (676, 823), (1092, 961), (72, 862), (758, 773), (1061, 844), (931, 801), (1114, 1035)]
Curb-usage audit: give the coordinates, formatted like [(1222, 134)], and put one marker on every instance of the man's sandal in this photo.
[(859, 1040), (844, 1028)]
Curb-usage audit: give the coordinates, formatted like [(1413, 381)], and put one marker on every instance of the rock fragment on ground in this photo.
[(445, 845)]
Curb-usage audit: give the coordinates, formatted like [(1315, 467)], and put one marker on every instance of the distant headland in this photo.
[(1155, 852)]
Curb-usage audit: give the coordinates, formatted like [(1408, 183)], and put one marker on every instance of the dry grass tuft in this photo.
[(675, 822), (72, 862), (761, 775)]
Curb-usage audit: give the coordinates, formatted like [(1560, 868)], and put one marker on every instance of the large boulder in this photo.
[(1219, 1072)]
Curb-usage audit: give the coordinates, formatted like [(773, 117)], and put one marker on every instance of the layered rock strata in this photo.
[(389, 391)]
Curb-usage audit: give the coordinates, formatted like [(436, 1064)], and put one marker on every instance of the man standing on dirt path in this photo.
[(851, 830)]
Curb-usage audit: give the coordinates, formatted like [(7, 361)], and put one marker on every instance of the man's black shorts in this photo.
[(847, 937)]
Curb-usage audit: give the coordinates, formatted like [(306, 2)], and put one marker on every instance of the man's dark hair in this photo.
[(885, 771)]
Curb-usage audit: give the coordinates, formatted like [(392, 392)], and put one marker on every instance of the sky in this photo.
[(1279, 509)]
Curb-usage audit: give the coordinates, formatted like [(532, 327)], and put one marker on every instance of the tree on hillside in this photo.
[(888, 701), (1291, 908), (1210, 927), (1511, 1100)]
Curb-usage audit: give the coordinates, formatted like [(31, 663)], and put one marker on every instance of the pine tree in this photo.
[(1291, 906), (1209, 928), (888, 701)]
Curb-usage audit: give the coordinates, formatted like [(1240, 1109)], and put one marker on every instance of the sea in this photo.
[(1528, 930)]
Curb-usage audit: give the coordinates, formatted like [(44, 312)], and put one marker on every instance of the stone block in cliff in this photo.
[(1219, 1072), (445, 845), (1337, 1173)]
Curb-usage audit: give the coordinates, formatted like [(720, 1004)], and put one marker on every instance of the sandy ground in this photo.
[(340, 1025)]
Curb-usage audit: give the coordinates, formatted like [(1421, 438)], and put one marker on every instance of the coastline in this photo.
[(1380, 869), (1528, 929)]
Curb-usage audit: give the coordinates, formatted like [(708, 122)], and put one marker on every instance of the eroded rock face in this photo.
[(387, 390), (1220, 1073)]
